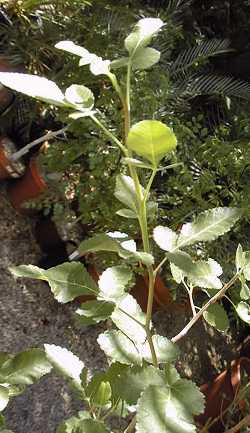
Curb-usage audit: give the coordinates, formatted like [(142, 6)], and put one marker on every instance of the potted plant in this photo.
[(8, 167)]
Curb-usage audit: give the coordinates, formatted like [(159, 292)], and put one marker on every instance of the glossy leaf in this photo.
[(130, 319), (243, 311), (113, 281), (142, 34), (169, 408), (4, 397), (25, 368), (125, 191), (72, 48), (34, 86), (81, 96), (209, 225), (132, 382), (65, 362), (145, 58), (165, 238), (67, 281), (119, 348), (165, 350), (216, 316), (200, 273), (92, 312), (152, 140)]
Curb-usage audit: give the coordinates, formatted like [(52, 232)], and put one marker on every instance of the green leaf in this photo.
[(145, 58), (176, 272), (25, 368), (119, 348), (119, 63), (152, 140), (78, 425), (34, 86), (243, 311), (165, 238), (100, 242), (134, 380), (126, 213), (65, 362), (239, 258), (79, 114), (167, 409), (27, 271), (99, 390), (136, 163), (165, 350), (216, 316), (113, 281), (209, 225), (200, 273), (245, 290), (81, 96), (125, 191), (142, 34), (92, 312), (72, 48), (4, 398), (246, 270), (130, 319)]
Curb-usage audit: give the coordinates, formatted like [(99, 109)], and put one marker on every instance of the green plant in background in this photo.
[(141, 379)]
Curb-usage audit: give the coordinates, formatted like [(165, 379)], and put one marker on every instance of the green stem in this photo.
[(109, 134)]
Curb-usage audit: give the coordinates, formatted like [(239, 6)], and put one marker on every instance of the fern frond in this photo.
[(215, 84), (204, 50)]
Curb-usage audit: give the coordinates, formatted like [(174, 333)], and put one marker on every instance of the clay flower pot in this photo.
[(9, 168), (30, 186), (221, 392)]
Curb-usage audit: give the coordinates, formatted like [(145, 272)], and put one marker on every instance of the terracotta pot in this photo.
[(29, 187), (221, 393), (9, 168), (162, 295)]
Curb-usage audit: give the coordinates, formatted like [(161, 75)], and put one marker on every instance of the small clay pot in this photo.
[(29, 187), (9, 168)]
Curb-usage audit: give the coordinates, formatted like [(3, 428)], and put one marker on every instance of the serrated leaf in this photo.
[(209, 225), (119, 348), (200, 273), (92, 312), (65, 362), (25, 368), (125, 191), (130, 319), (99, 390), (126, 213), (4, 397), (165, 350), (145, 58), (67, 281), (142, 34), (37, 87), (81, 96), (216, 316), (113, 281), (134, 380), (169, 409), (165, 238), (78, 425), (243, 311), (152, 140)]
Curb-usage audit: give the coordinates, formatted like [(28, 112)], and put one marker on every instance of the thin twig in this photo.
[(244, 422), (17, 155), (211, 301)]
